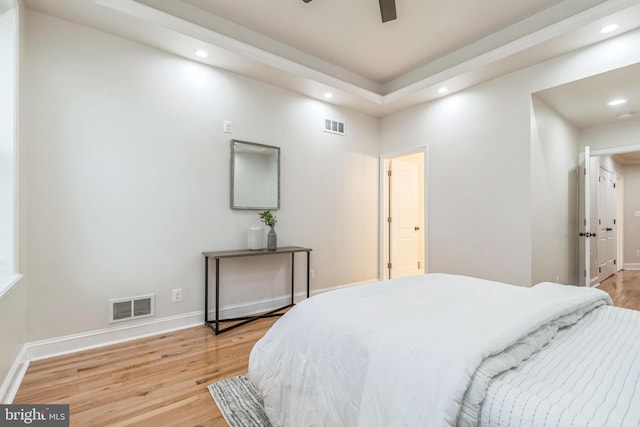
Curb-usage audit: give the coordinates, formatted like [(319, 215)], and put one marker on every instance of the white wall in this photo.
[(128, 175), (625, 133), (554, 186), (480, 168)]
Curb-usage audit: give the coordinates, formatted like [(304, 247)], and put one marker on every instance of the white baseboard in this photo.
[(93, 339), (99, 338), (12, 381), (259, 306), (631, 266), (87, 340), (333, 288)]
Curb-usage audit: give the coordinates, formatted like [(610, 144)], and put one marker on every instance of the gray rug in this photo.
[(239, 402)]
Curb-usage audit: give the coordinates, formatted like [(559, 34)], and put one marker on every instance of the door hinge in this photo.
[(418, 265), (585, 273), (614, 185), (389, 219), (599, 222), (389, 265), (389, 173), (614, 222), (615, 262), (599, 269)]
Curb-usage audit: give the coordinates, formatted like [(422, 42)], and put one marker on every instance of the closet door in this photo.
[(607, 240)]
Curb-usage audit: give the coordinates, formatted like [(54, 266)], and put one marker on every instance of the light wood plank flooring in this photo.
[(157, 381), (162, 380), (624, 289)]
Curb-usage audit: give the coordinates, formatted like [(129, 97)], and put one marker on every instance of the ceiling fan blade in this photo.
[(388, 10)]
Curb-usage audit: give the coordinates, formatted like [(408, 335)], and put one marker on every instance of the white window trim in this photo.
[(8, 282)]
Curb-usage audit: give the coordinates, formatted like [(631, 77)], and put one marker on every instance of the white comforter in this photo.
[(589, 375), (417, 351)]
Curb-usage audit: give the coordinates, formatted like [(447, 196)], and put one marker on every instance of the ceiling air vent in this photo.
[(131, 308), (334, 126)]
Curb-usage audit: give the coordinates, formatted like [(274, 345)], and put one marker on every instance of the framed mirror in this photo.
[(255, 176)]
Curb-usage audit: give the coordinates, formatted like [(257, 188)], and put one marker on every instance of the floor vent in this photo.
[(334, 126), (131, 308)]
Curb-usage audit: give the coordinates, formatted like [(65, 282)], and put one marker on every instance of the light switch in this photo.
[(226, 126), (637, 213)]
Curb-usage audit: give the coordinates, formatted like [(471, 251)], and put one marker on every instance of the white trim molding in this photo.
[(12, 381), (631, 266), (7, 283), (268, 304), (43, 349), (102, 337)]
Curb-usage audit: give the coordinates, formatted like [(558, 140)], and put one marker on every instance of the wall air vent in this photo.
[(131, 308), (334, 126)]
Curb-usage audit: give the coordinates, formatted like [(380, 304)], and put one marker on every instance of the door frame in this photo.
[(620, 223), (384, 199), (608, 152)]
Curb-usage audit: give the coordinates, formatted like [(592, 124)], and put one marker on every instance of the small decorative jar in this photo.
[(255, 238)]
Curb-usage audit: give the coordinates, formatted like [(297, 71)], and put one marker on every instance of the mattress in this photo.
[(589, 375)]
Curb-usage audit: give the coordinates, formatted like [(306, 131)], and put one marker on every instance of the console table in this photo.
[(214, 325)]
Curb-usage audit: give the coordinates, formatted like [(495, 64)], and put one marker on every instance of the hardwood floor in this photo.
[(162, 380), (624, 289), (157, 381)]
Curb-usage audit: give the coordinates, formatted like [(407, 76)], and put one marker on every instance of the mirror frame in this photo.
[(232, 176)]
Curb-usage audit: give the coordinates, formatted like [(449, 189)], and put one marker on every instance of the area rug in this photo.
[(239, 402)]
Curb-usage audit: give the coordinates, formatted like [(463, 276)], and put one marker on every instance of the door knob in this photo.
[(416, 228), (608, 229)]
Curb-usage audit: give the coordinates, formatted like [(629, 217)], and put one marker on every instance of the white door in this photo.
[(607, 206), (587, 249), (406, 216)]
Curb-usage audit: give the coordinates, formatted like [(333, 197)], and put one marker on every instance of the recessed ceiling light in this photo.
[(617, 101), (609, 28), (328, 95), (443, 90), (201, 53)]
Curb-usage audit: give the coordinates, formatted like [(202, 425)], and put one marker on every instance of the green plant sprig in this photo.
[(268, 218)]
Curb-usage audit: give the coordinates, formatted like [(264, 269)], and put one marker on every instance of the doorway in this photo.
[(602, 210), (403, 214)]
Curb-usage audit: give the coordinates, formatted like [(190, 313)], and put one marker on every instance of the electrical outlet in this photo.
[(637, 253), (176, 295), (557, 279), (312, 273)]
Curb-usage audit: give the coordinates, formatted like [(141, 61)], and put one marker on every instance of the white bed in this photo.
[(439, 350)]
